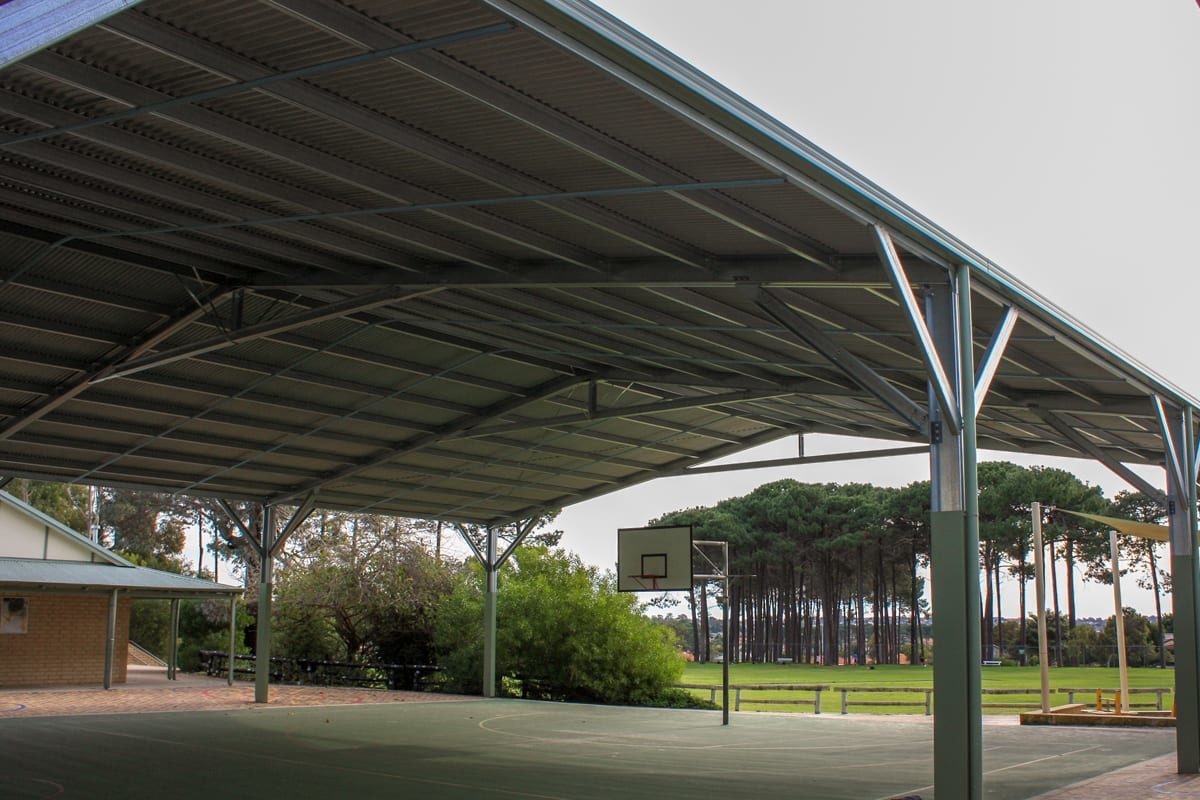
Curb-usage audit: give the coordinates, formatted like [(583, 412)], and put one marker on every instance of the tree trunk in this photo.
[(1070, 554), (705, 654), (987, 601), (1162, 649), (914, 622), (1024, 645), (999, 612), (1057, 612), (695, 624)]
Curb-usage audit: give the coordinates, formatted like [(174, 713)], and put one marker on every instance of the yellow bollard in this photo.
[(1117, 703), (1099, 700)]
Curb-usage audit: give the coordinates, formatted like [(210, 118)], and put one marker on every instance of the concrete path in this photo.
[(149, 691)]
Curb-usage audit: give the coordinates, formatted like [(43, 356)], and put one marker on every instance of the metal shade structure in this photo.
[(474, 259)]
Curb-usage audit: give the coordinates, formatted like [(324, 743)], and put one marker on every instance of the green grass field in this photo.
[(914, 677)]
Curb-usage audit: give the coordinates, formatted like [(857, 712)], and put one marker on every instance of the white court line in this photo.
[(482, 788), (892, 795)]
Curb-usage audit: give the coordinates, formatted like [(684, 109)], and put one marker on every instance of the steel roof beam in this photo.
[(278, 147), (1174, 457), (940, 384), (212, 57), (365, 32), (990, 363), (249, 333), (619, 341), (673, 468), (212, 440), (802, 460), (723, 272), (497, 410), (133, 193), (445, 205), (625, 413), (237, 181), (1089, 447), (147, 340), (844, 360), (308, 71)]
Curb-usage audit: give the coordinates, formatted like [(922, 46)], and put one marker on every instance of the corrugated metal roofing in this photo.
[(27, 573), (496, 346)]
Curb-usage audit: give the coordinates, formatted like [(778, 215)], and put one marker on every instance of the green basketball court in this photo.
[(524, 749)]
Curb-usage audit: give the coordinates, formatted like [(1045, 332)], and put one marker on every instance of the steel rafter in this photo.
[(210, 56), (940, 383), (446, 205), (497, 410), (308, 71), (623, 413), (992, 356), (844, 360), (353, 26), (148, 339), (1092, 449), (249, 333)]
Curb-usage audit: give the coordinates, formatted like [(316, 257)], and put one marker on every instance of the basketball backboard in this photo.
[(654, 559)]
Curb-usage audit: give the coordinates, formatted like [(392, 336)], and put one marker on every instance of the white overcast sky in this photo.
[(1058, 138)]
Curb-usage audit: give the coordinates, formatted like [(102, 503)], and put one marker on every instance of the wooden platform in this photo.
[(1082, 714)]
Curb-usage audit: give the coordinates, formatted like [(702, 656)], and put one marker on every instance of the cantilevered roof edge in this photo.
[(607, 39)]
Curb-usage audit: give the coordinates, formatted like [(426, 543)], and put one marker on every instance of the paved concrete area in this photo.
[(1155, 778), (550, 751), (149, 691)]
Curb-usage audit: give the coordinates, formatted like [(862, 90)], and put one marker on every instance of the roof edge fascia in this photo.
[(27, 26)]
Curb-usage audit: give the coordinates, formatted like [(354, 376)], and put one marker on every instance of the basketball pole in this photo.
[(1039, 578), (721, 574)]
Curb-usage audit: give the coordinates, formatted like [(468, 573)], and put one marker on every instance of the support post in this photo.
[(954, 562), (720, 573), (1039, 580), (1119, 621), (725, 640), (110, 641), (173, 646), (1178, 439), (262, 642), (491, 588), (232, 638)]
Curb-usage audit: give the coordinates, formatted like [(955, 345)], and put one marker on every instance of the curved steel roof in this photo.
[(463, 259)]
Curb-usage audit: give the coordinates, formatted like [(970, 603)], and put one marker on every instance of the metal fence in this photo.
[(311, 672), (810, 695)]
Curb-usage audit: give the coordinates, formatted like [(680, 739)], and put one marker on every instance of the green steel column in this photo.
[(954, 557), (110, 641), (262, 641), (1182, 521), (232, 637), (970, 564), (489, 615), (173, 646)]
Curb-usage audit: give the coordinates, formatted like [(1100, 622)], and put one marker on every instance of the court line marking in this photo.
[(641, 739), (327, 766), (1000, 769)]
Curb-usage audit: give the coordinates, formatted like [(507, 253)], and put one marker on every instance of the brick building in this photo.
[(65, 602)]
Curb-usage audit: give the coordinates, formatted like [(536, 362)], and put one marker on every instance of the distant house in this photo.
[(65, 601)]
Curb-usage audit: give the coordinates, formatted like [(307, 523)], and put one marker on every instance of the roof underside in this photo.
[(506, 257)]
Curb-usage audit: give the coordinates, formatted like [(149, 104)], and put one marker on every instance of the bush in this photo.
[(564, 633)]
